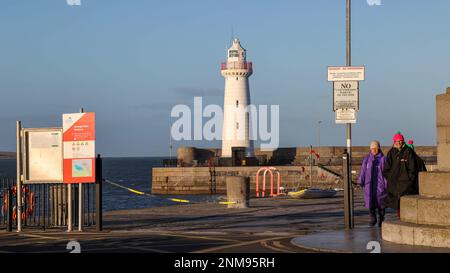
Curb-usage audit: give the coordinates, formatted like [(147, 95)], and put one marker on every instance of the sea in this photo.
[(131, 172)]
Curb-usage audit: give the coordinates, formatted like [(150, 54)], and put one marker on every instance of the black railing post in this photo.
[(348, 192), (10, 210), (98, 193)]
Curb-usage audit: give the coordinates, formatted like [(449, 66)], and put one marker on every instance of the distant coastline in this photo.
[(7, 155)]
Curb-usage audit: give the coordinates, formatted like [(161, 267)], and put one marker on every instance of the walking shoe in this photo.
[(381, 214)]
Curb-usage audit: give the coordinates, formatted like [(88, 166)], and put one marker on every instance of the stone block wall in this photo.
[(197, 180)]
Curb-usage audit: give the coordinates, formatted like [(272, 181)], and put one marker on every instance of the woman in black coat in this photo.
[(400, 170)]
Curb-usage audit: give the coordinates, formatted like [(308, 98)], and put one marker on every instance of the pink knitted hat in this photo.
[(398, 137)]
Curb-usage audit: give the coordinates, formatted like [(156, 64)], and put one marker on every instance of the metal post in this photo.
[(319, 132), (349, 125), (69, 207), (348, 192), (80, 198), (310, 166), (98, 193), (170, 141), (19, 174), (349, 63), (80, 206), (349, 52), (10, 210), (43, 206)]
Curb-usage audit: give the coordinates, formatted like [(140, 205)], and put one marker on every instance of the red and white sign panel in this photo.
[(346, 73), (79, 147)]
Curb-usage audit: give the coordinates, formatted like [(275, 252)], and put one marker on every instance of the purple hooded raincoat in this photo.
[(373, 182)]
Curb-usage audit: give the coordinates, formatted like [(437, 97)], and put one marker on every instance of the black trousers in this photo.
[(381, 212)]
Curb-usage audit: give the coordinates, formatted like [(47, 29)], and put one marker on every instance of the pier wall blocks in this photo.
[(413, 234), (425, 218), (197, 180), (425, 210), (443, 131), (442, 110), (434, 184), (333, 154)]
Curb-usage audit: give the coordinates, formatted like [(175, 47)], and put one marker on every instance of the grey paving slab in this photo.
[(359, 240)]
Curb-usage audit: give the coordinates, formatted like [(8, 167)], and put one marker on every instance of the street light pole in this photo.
[(349, 58), (319, 132), (349, 63), (310, 166), (170, 141), (349, 195)]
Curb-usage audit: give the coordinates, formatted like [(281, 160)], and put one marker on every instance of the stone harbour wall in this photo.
[(294, 170), (200, 180)]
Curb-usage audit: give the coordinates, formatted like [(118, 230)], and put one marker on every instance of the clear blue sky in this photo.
[(131, 61)]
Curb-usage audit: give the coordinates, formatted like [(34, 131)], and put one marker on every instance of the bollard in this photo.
[(238, 192)]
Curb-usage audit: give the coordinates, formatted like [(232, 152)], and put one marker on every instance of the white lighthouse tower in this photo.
[(236, 70)]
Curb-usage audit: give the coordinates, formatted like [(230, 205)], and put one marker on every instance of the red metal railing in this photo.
[(236, 65), (270, 170)]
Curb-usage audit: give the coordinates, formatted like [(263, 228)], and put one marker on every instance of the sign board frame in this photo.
[(346, 73), (27, 140), (344, 116), (353, 104), (79, 148)]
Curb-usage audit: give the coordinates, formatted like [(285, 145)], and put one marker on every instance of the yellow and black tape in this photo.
[(170, 199), (179, 200)]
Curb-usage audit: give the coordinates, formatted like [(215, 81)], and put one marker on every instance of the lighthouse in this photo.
[(236, 117)]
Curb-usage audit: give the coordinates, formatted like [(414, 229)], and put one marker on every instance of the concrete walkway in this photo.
[(269, 225), (359, 240)]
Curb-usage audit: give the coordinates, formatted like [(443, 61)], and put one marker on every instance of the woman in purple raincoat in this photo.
[(371, 179)]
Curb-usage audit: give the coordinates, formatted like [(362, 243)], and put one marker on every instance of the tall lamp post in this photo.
[(349, 63), (319, 132), (348, 194), (170, 141)]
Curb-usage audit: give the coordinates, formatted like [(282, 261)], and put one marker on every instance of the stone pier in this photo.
[(425, 218)]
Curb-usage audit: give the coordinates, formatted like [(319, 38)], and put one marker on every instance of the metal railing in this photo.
[(6, 185), (44, 205)]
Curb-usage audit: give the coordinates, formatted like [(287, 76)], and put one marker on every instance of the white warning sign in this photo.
[(346, 95)]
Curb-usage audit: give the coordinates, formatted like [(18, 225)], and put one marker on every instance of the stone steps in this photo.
[(425, 210), (434, 184), (425, 218), (413, 234)]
